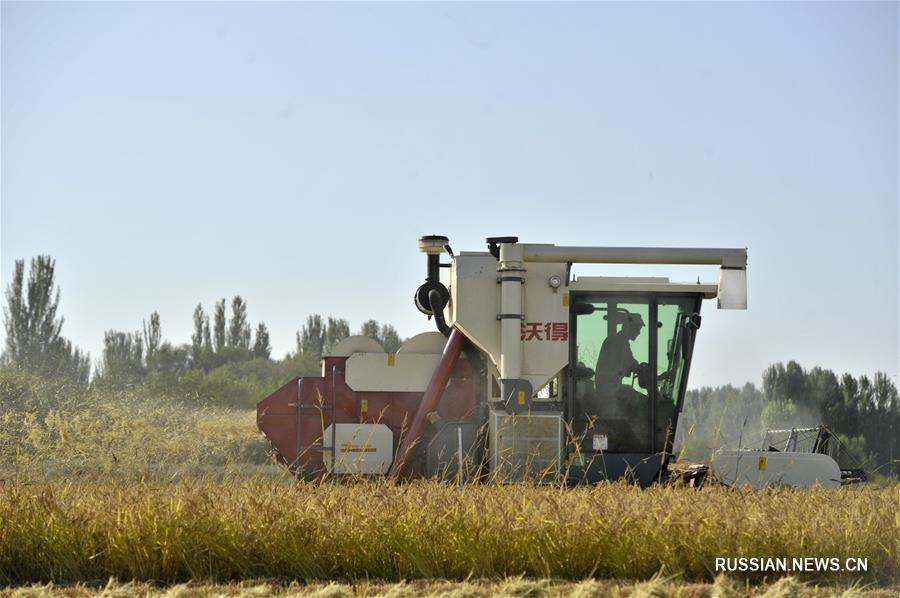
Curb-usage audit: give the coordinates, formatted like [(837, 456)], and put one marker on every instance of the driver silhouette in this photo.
[(615, 363)]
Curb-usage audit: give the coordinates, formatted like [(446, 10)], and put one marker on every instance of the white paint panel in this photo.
[(616, 284), (740, 467), (356, 344), (361, 448), (475, 301), (732, 288), (546, 355), (425, 342), (374, 372)]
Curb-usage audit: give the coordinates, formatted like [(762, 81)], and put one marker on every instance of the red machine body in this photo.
[(295, 417)]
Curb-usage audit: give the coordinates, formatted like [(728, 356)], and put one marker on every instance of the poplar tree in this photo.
[(389, 338), (370, 328), (311, 339), (219, 326), (201, 333), (152, 340), (33, 327), (337, 330), (239, 327), (123, 357), (261, 345)]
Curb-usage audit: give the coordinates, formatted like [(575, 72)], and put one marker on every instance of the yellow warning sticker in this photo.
[(391, 359), (521, 397), (762, 463), (565, 299), (363, 405)]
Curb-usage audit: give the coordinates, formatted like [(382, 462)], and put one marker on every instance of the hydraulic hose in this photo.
[(437, 309)]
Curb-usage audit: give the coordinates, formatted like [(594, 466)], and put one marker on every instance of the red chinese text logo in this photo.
[(545, 331)]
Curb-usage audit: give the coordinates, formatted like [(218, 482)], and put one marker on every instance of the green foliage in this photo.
[(389, 338), (199, 371), (170, 360), (67, 362), (129, 357), (853, 450), (219, 326), (235, 374), (783, 414), (300, 364), (337, 330), (152, 337), (123, 358), (722, 417), (311, 339), (33, 328), (370, 328), (200, 339), (239, 383), (261, 345), (238, 326), (386, 335)]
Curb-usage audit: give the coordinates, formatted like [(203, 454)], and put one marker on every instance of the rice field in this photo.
[(157, 494), (175, 532), (50, 433)]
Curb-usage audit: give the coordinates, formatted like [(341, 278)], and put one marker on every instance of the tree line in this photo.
[(227, 360)]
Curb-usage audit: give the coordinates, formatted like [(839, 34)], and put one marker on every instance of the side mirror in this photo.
[(694, 321), (691, 325)]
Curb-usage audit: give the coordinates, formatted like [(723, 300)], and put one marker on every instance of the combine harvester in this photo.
[(532, 374)]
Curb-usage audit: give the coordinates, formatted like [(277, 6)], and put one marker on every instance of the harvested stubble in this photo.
[(658, 587), (176, 532)]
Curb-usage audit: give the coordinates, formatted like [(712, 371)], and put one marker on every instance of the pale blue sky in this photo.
[(168, 154)]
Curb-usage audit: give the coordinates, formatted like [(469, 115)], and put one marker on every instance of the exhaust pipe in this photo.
[(432, 297)]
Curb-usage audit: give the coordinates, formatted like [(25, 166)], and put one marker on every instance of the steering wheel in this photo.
[(643, 375)]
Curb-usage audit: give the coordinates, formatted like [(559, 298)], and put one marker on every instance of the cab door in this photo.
[(610, 410), (629, 356)]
